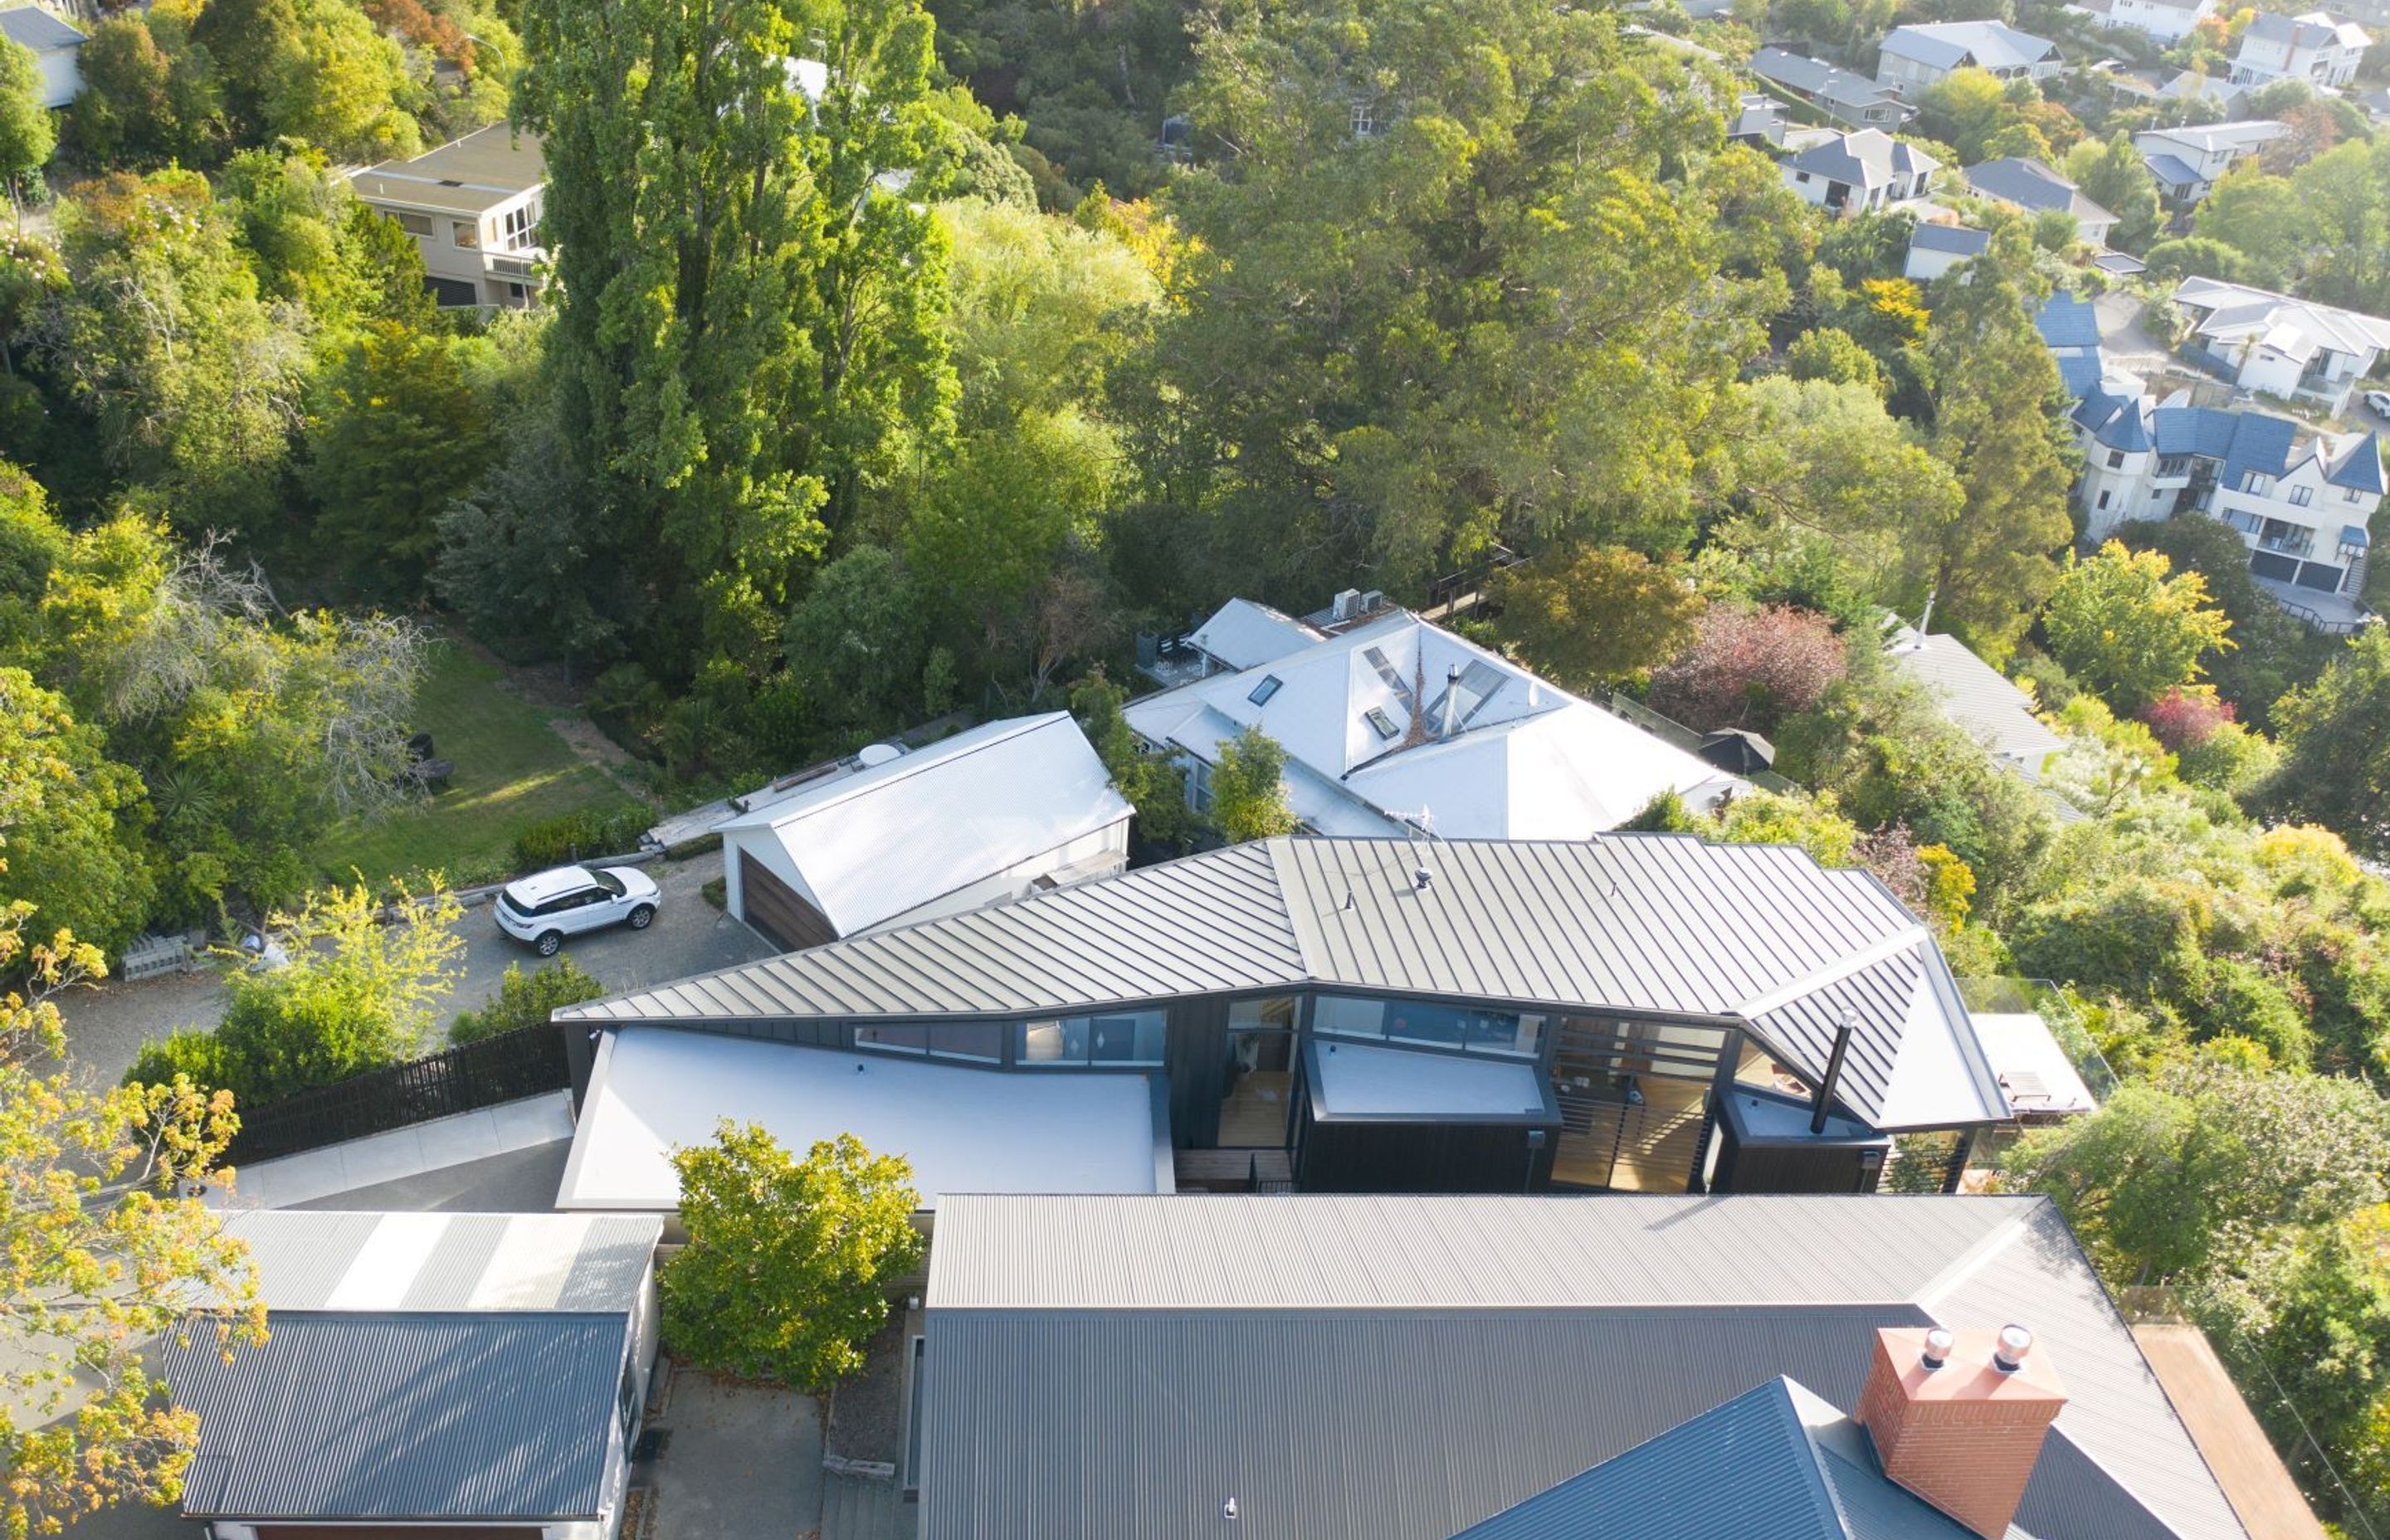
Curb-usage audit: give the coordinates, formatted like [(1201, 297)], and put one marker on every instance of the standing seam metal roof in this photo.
[(365, 1415), (1660, 923), (1402, 1367)]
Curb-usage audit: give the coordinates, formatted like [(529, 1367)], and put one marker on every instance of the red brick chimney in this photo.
[(1957, 1418)]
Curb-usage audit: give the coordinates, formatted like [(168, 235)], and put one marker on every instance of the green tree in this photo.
[(356, 994), (789, 1264), (526, 1000), (1598, 616), (101, 1252), (2259, 216), (73, 852), (1832, 354), (1964, 109), (1155, 785), (28, 134), (2129, 627), (2336, 738), (127, 115), (1249, 788), (1998, 425), (393, 427), (2113, 175), (857, 644)]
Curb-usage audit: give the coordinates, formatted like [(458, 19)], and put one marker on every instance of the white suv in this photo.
[(544, 908)]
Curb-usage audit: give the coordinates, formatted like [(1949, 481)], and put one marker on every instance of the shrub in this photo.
[(525, 1000), (1750, 668), (580, 836)]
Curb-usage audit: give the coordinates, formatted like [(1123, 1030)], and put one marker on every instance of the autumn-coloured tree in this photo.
[(1597, 617), (1750, 668)]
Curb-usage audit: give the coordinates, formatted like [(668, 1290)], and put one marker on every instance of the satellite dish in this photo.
[(876, 754)]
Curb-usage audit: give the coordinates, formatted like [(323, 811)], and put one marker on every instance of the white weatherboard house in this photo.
[(1868, 171), (473, 208), (889, 837), (57, 48), (1934, 250), (2187, 161), (2318, 47), (2036, 187), (1839, 94), (1915, 57), (2166, 20), (1396, 723), (2285, 347)]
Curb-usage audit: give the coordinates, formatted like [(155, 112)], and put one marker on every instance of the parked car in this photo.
[(2378, 403), (544, 908)]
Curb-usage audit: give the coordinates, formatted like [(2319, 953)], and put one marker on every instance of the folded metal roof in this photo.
[(1643, 922), (367, 1416), (322, 1260), (1401, 1368)]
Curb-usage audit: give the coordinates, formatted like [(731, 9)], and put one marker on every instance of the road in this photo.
[(107, 1026)]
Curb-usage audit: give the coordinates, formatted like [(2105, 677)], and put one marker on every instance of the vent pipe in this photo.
[(1451, 700), (1823, 1102)]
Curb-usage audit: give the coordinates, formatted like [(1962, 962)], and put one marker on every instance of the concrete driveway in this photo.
[(743, 1462), (107, 1026)]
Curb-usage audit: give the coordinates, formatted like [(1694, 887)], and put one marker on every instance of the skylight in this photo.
[(1380, 723), (1395, 681), (1268, 687)]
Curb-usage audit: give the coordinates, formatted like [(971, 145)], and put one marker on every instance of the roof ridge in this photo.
[(914, 762)]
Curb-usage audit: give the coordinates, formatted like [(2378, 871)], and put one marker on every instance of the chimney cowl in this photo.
[(2008, 1353), (1936, 1351)]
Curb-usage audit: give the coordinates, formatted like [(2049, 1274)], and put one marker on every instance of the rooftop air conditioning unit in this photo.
[(1348, 604), (1371, 602)]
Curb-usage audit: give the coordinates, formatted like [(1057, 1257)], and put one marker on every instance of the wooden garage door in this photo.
[(779, 910), (399, 1532)]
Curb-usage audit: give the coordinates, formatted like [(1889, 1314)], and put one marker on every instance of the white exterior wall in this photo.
[(445, 256), (1907, 76), (61, 76), (1925, 267), (1014, 880), (2165, 22), (2328, 508)]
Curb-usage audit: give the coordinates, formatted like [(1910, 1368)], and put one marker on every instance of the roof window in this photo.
[(1268, 687)]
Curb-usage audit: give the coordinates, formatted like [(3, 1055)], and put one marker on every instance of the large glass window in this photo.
[(1258, 1085), (1470, 1029), (981, 1041), (1122, 1037)]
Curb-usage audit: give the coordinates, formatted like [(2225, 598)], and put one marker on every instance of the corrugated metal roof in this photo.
[(323, 1260), (345, 1415), (1991, 707), (1664, 923), (1402, 1367)]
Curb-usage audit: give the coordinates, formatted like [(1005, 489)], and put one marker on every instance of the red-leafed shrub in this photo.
[(1749, 668), (2186, 718)]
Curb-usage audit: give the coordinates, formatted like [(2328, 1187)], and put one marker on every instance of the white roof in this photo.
[(1525, 759), (2236, 310), (1241, 634), (656, 1089), (2033, 1068), (335, 1260), (889, 837), (1978, 698), (1356, 1081)]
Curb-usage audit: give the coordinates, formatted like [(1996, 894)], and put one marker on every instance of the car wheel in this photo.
[(548, 943), (642, 916)]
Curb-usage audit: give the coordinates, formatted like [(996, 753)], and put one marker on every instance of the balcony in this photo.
[(2285, 539)]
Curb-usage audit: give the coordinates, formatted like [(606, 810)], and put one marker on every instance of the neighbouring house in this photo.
[(56, 47), (889, 837), (1978, 699), (473, 206), (1867, 170), (1500, 1368), (2302, 499), (2284, 347), (2070, 328), (2186, 161), (1934, 250), (433, 1374), (1912, 58), (2166, 20), (2318, 47), (1392, 723), (2035, 187), (1759, 119), (1839, 94), (1396, 1014)]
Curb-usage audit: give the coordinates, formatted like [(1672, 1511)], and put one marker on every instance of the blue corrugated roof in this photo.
[(2067, 322), (2355, 535), (1742, 1470), (2203, 431), (363, 1415), (2360, 468)]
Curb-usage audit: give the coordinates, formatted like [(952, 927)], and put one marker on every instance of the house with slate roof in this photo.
[(2036, 187), (2186, 161), (1842, 96), (2318, 47), (1915, 57), (2302, 499), (2282, 345), (1866, 171), (1542, 1368)]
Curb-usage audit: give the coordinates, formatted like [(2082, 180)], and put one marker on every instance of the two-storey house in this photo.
[(1868, 171), (2284, 346), (1912, 58), (2166, 20), (2318, 47), (2187, 161), (473, 208)]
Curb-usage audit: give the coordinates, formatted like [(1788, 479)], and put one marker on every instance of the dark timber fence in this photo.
[(505, 1068)]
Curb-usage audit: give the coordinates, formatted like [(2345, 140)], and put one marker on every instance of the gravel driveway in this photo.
[(107, 1026)]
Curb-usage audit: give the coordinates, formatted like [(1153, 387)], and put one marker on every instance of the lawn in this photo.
[(512, 770)]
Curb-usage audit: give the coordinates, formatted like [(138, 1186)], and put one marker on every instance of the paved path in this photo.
[(107, 1026), (743, 1462)]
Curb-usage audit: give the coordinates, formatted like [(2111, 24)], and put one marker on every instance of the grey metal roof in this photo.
[(1987, 44), (361, 1414), (38, 29), (1951, 240), (319, 1260), (1865, 158), (1400, 1369), (1664, 923), (1813, 77)]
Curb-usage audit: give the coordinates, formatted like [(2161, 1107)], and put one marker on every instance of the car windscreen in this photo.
[(609, 881)]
